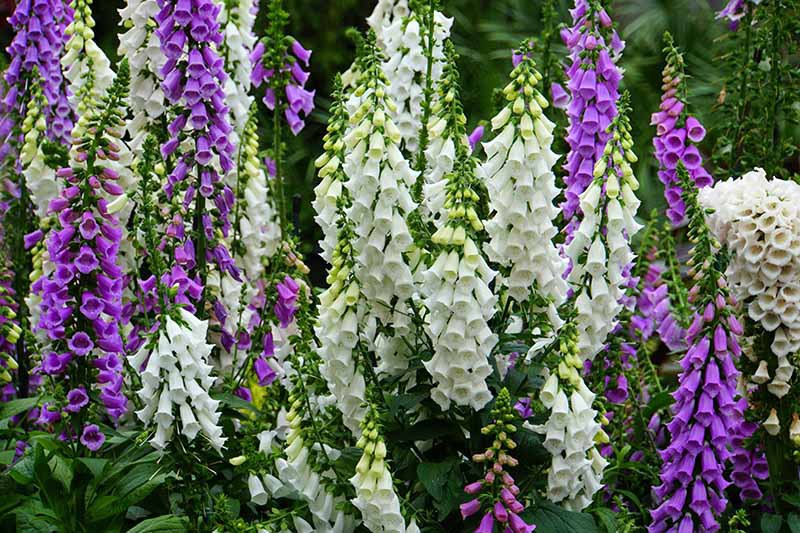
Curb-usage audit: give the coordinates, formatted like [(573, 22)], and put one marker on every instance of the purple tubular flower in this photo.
[(475, 137), (264, 372), (675, 133), (38, 45), (92, 437), (706, 424), (77, 399), (594, 87), (300, 101)]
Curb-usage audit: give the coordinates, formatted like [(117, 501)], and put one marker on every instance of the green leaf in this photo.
[(161, 524), (22, 472), (660, 401), (131, 489), (607, 518), (15, 407), (793, 520), (62, 470), (771, 523), (551, 518), (234, 402), (433, 476), (95, 466), (403, 402)]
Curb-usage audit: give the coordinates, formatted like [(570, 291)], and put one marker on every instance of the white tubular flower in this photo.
[(237, 24), (176, 379), (522, 190), (379, 183), (375, 494), (258, 234), (384, 14), (86, 67), (601, 256), (405, 43), (571, 430), (341, 306), (141, 46), (330, 192), (455, 287), (40, 179), (756, 218)]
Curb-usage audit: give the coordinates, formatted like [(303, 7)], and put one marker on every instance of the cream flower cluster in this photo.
[(39, 178), (758, 219), (384, 14), (519, 176), (176, 379), (446, 137), (341, 309), (571, 430), (457, 295), (576, 471), (341, 305), (330, 191), (375, 494), (379, 183), (296, 471), (239, 40), (86, 66), (141, 46), (258, 231), (601, 254), (405, 42)]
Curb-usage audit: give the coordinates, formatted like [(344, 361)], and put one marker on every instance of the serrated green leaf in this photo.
[(607, 518), (793, 521)]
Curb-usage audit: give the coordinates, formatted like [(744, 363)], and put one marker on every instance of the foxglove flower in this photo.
[(237, 19), (280, 68), (601, 254), (40, 179), (81, 296), (375, 494), (572, 428), (386, 12), (306, 470), (192, 80), (341, 305), (405, 43), (755, 218), (37, 46), (521, 183), (455, 287), (141, 46), (496, 494), (706, 415), (176, 380), (594, 78), (380, 180), (677, 135)]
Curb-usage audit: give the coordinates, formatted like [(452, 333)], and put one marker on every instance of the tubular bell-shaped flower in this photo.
[(141, 46), (600, 250), (199, 141), (406, 44), (379, 182), (677, 135), (386, 12), (455, 287), (176, 379), (572, 428), (375, 494), (37, 45), (706, 415), (82, 293), (755, 217), (341, 306), (521, 183), (496, 494), (594, 78)]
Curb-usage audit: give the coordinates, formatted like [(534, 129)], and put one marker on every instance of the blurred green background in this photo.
[(485, 31)]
